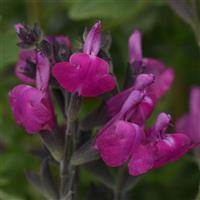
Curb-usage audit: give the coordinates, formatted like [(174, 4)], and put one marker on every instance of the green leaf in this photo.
[(4, 195), (101, 172), (86, 153), (47, 180), (112, 9), (184, 10), (8, 48)]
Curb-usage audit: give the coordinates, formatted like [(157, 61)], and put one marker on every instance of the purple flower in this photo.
[(189, 124), (116, 142), (43, 72), (158, 148), (18, 27), (163, 76), (32, 107), (93, 40), (86, 73), (118, 137), (145, 106), (28, 35), (135, 47), (26, 67)]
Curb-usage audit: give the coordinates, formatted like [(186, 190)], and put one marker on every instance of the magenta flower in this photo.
[(116, 142), (144, 108), (43, 73), (118, 137), (189, 124), (26, 67), (18, 27), (135, 47), (158, 148), (86, 73), (28, 35), (163, 76), (32, 107)]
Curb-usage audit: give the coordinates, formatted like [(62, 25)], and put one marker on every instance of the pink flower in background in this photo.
[(32, 107), (189, 124), (163, 76), (86, 73), (158, 148)]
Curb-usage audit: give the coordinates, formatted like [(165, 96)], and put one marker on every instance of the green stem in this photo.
[(66, 174), (67, 171), (118, 191)]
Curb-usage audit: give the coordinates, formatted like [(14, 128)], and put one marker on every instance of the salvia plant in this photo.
[(115, 133)]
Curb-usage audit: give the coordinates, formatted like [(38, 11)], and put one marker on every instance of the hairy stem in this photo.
[(66, 174), (67, 171)]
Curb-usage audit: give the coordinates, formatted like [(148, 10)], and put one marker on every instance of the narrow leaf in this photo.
[(54, 142), (47, 180), (183, 10), (101, 172), (35, 180), (84, 154)]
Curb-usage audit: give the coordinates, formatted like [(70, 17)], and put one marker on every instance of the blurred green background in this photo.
[(165, 37)]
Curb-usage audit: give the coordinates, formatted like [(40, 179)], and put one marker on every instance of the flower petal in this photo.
[(31, 108), (195, 101), (142, 160), (143, 111), (98, 86), (43, 72), (115, 143), (163, 77), (26, 67), (94, 75), (135, 47), (93, 40), (115, 103), (67, 75), (171, 148), (158, 153)]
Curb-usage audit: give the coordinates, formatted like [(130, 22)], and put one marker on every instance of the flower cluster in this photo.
[(125, 137), (83, 72)]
